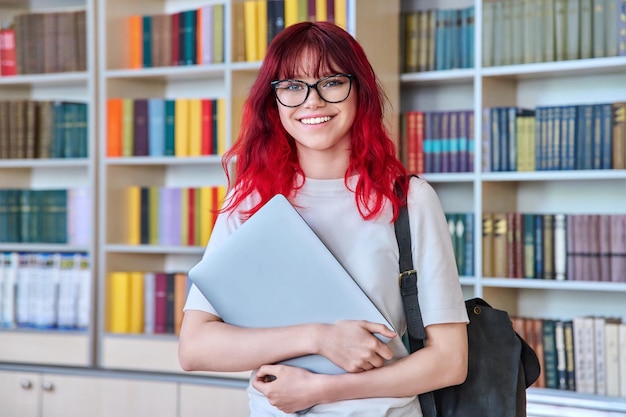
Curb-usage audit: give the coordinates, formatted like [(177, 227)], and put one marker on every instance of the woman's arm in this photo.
[(206, 343), (442, 362)]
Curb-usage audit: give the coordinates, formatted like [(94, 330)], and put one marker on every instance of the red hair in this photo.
[(265, 154)]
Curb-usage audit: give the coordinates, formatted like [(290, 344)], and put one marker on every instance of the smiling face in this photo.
[(321, 130)]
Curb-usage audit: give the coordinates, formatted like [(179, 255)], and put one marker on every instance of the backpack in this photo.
[(501, 365)]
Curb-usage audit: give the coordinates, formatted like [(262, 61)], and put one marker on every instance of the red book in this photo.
[(8, 64), (207, 127), (160, 302), (175, 39)]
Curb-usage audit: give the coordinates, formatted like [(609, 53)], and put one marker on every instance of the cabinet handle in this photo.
[(26, 384), (47, 386)]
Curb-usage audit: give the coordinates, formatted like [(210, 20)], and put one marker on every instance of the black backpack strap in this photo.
[(408, 290)]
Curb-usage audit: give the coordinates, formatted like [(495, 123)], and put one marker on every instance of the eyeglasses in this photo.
[(332, 89)]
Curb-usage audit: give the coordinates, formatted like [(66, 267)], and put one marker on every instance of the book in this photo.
[(488, 244), (118, 305), (8, 64), (135, 300)]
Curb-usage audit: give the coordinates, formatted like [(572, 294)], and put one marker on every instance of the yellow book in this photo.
[(238, 31), (291, 12), (195, 127), (221, 126), (181, 127), (303, 10), (341, 13), (153, 215), (206, 214), (184, 216), (251, 30), (128, 127), (218, 33), (321, 12), (261, 28), (136, 302), (221, 195), (133, 214), (119, 302)]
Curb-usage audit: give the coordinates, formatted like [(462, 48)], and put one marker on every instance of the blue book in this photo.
[(170, 118), (538, 246), (156, 127), (606, 136), (147, 41)]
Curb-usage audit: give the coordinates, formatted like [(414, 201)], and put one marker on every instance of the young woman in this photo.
[(313, 130)]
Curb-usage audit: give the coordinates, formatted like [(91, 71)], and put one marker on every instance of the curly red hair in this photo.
[(265, 154)]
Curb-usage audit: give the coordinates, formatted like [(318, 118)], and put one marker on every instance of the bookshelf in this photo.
[(227, 79), (35, 173), (571, 192)]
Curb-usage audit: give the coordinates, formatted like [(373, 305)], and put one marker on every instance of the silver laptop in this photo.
[(274, 271)]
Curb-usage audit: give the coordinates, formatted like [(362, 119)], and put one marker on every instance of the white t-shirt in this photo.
[(369, 252)]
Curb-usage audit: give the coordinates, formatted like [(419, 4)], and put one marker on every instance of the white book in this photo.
[(44, 294), (84, 280), (560, 247), (579, 354), (10, 265), (600, 347), (66, 306), (611, 344), (622, 359)]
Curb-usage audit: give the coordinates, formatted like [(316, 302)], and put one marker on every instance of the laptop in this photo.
[(274, 271)]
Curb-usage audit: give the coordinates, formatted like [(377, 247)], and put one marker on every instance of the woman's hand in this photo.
[(351, 344), (288, 388)]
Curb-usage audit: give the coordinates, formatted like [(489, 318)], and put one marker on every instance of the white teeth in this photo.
[(315, 120)]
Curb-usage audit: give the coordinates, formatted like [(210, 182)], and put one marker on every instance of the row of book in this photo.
[(43, 290), (172, 216), (526, 31), (461, 228), (46, 216), (438, 141), (145, 302), (43, 129), (260, 20), (43, 43), (584, 354), (188, 37), (437, 39), (166, 127), (573, 247), (572, 137)]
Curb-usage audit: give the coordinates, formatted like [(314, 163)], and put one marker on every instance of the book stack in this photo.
[(45, 290), (461, 228), (437, 39), (584, 354), (146, 302), (527, 31), (437, 142), (261, 20), (172, 216), (571, 137), (166, 127), (188, 37), (45, 216), (573, 247), (44, 43)]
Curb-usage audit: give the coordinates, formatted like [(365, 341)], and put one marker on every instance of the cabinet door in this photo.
[(71, 396), (206, 400), (19, 394)]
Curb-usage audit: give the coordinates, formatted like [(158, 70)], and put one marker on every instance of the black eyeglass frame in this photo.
[(310, 86)]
